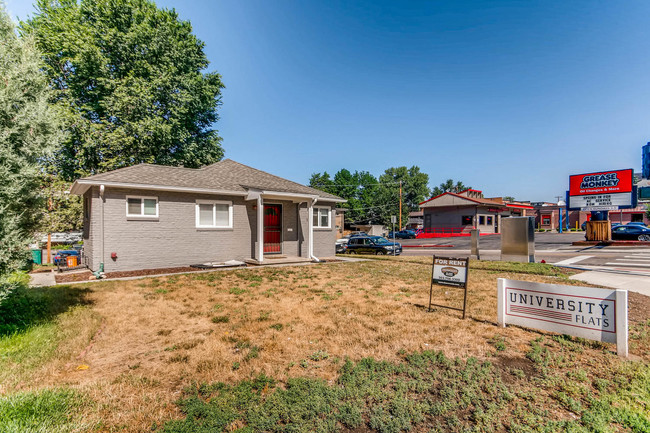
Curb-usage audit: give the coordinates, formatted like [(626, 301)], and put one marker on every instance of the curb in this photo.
[(427, 246)]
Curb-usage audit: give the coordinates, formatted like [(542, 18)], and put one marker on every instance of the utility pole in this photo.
[(400, 205)]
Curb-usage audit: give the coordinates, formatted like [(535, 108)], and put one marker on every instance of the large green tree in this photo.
[(414, 186), (449, 186), (131, 80), (358, 188), (29, 127)]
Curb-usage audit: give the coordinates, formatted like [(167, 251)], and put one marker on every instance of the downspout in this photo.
[(260, 229), (311, 230), (101, 264)]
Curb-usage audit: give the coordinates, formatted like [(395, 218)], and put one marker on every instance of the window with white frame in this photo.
[(322, 217), (214, 214), (143, 207)]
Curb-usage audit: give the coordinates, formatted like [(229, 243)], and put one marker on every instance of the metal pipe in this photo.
[(310, 216)]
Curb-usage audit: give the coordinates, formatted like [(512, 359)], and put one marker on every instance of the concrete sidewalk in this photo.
[(42, 279), (632, 283)]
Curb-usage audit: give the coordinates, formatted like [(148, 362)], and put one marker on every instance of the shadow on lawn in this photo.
[(26, 307)]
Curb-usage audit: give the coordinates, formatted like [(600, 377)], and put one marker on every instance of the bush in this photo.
[(11, 282)]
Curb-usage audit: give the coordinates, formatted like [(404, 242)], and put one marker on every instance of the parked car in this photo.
[(584, 225), (373, 245), (631, 232), (341, 247), (403, 234), (61, 256), (636, 223)]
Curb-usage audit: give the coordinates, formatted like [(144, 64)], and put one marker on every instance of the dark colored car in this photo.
[(403, 234), (584, 225), (631, 232), (373, 245)]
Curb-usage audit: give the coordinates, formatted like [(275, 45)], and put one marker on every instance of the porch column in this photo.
[(260, 229), (310, 231)]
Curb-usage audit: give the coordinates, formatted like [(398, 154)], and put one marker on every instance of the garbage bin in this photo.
[(72, 261), (37, 256)]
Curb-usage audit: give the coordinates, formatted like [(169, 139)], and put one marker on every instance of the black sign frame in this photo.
[(450, 283)]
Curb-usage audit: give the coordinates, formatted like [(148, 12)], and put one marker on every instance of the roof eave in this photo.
[(81, 186)]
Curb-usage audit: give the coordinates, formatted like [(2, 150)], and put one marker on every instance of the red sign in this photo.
[(603, 182)]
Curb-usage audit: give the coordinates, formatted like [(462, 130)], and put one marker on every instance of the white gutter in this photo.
[(101, 197), (311, 230)]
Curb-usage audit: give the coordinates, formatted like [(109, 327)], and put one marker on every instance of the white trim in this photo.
[(142, 198), (78, 188), (329, 217), (214, 225)]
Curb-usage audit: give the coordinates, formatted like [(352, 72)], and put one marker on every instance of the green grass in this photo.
[(544, 269), (49, 410), (427, 389)]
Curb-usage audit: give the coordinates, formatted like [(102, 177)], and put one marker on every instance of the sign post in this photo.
[(449, 271), (393, 219), (587, 312)]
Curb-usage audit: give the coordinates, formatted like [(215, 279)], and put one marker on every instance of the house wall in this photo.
[(325, 239), (173, 240)]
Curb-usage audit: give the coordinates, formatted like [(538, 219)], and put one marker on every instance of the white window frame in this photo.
[(142, 198), (214, 214), (329, 217)]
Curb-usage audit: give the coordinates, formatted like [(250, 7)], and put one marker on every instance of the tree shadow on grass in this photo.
[(25, 307)]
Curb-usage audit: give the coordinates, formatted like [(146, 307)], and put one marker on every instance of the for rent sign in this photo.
[(605, 190), (596, 314)]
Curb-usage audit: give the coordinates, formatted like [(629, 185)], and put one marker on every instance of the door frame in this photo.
[(281, 206)]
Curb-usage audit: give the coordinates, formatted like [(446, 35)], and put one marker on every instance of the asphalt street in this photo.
[(626, 267)]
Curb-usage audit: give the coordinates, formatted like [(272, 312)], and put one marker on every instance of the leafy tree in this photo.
[(414, 190), (130, 79), (509, 198), (322, 182), (449, 186), (63, 212), (28, 128), (358, 188)]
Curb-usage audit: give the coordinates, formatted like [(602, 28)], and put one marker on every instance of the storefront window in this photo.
[(489, 220), (466, 220), (481, 220)]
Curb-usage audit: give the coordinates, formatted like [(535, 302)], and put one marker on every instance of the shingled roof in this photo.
[(223, 176)]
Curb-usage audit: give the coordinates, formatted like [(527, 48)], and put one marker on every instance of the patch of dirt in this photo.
[(71, 278), (509, 363), (638, 307), (84, 276)]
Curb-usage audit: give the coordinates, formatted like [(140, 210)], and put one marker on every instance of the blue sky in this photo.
[(509, 97)]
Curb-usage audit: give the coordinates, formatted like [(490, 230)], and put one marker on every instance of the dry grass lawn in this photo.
[(158, 335)]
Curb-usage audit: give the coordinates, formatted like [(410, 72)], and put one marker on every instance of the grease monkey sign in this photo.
[(587, 312)]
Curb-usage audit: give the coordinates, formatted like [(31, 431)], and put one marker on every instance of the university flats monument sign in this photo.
[(596, 314)]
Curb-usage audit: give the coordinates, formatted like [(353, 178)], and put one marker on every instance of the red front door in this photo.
[(272, 228)]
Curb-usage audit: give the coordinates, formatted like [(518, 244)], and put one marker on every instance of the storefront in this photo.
[(457, 213)]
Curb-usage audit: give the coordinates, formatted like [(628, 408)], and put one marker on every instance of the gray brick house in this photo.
[(151, 216)]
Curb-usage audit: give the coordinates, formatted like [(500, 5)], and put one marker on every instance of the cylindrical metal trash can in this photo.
[(37, 257)]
